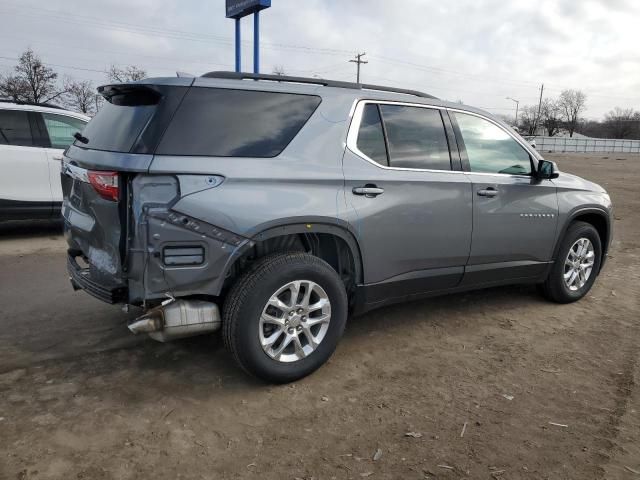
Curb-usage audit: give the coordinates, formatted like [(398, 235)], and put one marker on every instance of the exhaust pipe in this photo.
[(178, 319)]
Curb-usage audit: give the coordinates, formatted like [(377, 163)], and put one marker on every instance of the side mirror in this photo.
[(547, 170)]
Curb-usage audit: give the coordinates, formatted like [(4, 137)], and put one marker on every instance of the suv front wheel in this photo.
[(576, 266), (283, 318)]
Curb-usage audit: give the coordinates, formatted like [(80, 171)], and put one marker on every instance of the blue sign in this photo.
[(241, 8)]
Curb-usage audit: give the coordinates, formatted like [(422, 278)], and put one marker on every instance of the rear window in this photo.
[(236, 123), (61, 129), (119, 121)]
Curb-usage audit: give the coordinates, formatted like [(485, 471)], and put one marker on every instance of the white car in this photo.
[(32, 139)]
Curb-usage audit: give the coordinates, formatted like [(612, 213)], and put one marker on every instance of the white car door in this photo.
[(25, 180), (60, 129)]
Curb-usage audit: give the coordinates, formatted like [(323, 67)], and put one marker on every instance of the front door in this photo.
[(410, 210), (515, 215)]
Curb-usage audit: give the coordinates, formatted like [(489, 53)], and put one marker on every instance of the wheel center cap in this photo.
[(294, 321)]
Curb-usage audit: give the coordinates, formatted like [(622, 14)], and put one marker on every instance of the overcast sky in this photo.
[(478, 51)]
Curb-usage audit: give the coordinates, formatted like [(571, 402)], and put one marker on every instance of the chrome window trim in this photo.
[(352, 136), (510, 133), (356, 118)]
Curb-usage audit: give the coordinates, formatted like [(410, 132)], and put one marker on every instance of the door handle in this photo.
[(57, 158), (368, 191), (488, 192)]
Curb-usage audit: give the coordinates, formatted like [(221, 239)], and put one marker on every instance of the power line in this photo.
[(84, 20)]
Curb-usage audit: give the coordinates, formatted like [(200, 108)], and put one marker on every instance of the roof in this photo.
[(308, 86), (40, 107)]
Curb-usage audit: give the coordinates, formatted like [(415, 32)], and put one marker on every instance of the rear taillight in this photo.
[(105, 183)]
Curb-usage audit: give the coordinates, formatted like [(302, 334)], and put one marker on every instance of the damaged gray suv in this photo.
[(273, 208)]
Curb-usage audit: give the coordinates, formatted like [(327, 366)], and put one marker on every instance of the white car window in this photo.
[(15, 129), (61, 129)]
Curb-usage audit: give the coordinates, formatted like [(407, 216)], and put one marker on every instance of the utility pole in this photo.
[(539, 108), (517, 105), (358, 60)]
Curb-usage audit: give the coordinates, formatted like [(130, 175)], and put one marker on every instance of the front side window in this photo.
[(490, 149), (371, 135), (15, 128), (61, 129)]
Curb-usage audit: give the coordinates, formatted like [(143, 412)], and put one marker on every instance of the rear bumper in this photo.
[(81, 280)]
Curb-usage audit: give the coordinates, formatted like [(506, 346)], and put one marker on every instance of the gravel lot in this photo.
[(539, 390)]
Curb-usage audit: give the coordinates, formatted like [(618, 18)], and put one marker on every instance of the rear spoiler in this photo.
[(128, 94)]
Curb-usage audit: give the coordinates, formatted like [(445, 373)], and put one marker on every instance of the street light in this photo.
[(517, 105)]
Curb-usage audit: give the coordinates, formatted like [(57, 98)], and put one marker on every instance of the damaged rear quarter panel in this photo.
[(155, 226)]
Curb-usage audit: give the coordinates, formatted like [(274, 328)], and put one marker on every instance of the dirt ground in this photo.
[(496, 384)]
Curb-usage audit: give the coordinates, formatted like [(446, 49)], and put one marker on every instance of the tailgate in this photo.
[(93, 228), (114, 147)]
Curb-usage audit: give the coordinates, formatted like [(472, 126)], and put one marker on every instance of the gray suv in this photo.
[(274, 207)]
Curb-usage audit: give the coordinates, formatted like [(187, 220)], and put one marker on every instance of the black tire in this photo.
[(554, 287), (248, 297)]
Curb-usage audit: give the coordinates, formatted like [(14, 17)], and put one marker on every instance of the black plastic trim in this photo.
[(582, 211), (81, 279)]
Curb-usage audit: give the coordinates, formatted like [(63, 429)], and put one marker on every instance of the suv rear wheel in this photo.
[(284, 317), (576, 266)]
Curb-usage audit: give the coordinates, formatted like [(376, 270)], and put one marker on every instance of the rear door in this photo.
[(410, 204), (514, 214), (25, 187)]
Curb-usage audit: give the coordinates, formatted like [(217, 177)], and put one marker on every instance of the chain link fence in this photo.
[(584, 145)]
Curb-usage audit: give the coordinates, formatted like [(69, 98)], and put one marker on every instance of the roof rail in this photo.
[(313, 81), (35, 104)]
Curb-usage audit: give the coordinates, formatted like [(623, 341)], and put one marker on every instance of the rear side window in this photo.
[(61, 129), (371, 135), (236, 123), (416, 137), (15, 129)]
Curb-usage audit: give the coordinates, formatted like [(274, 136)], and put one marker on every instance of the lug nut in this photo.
[(304, 318), (290, 331), (291, 313), (299, 327), (299, 310)]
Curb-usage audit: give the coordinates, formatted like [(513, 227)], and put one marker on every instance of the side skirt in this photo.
[(443, 281)]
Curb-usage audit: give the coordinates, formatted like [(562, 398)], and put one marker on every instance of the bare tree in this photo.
[(572, 103), (279, 70), (551, 116), (622, 122), (130, 73), (528, 119), (32, 81), (81, 96)]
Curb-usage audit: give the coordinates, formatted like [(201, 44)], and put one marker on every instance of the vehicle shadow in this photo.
[(204, 360), (15, 229)]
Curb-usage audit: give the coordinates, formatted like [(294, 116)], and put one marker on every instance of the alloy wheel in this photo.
[(294, 321), (579, 264)]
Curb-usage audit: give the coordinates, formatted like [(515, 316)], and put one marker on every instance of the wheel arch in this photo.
[(596, 217), (326, 240)]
